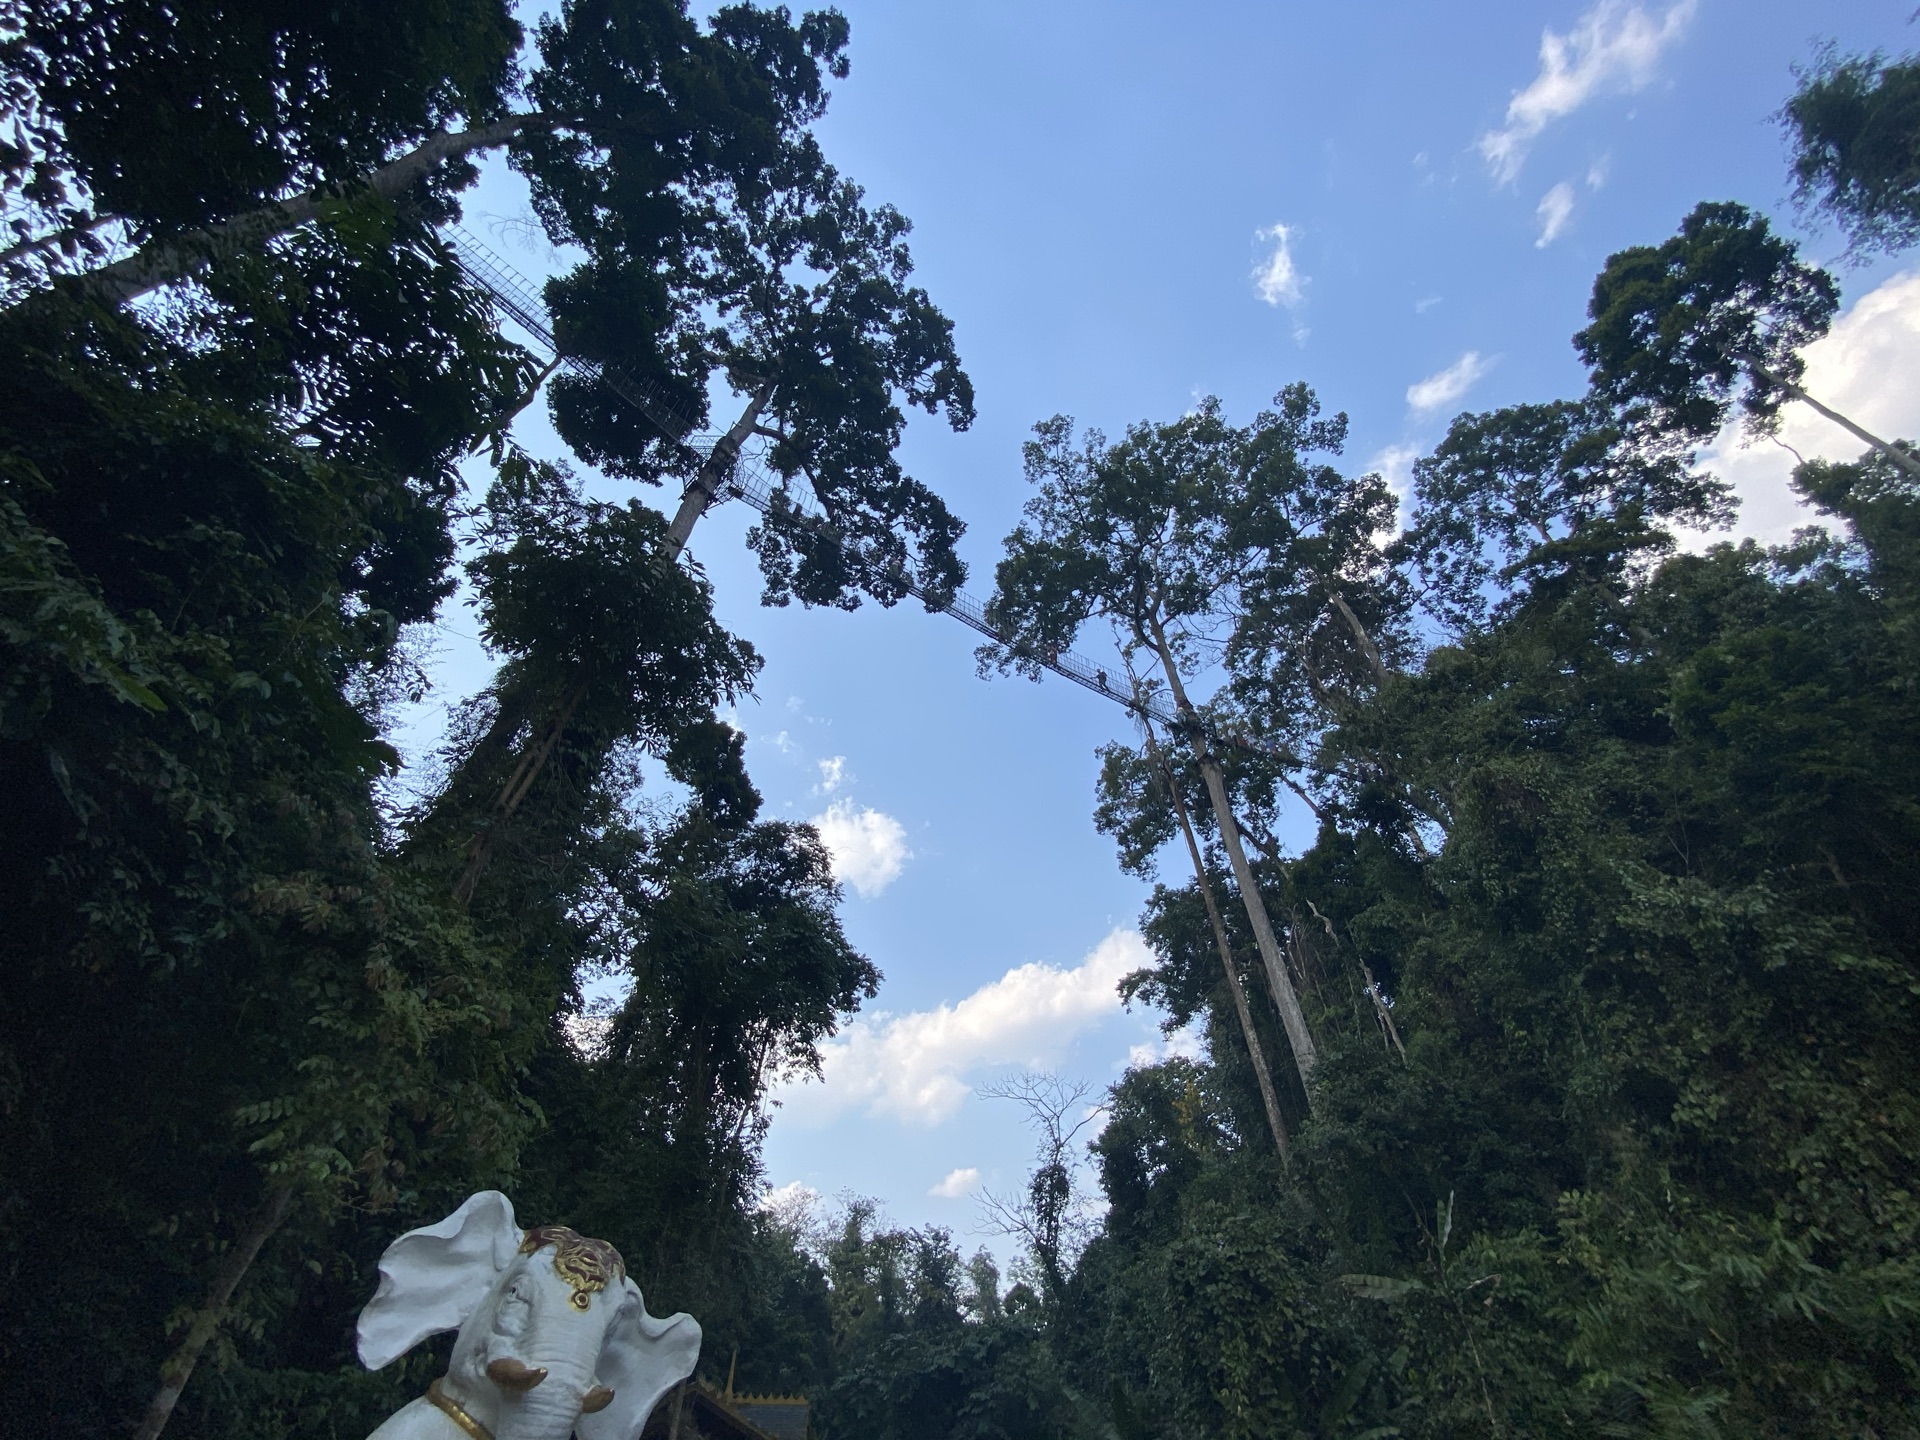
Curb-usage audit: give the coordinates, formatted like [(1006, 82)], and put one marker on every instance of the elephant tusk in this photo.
[(598, 1398), (511, 1374)]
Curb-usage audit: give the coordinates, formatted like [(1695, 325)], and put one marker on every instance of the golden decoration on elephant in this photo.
[(584, 1263)]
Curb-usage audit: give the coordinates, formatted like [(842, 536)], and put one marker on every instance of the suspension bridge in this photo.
[(514, 298)]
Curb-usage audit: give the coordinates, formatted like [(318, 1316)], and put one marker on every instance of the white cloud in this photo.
[(1556, 209), (794, 1195), (913, 1067), (1395, 466), (957, 1184), (1277, 278), (795, 1206), (1613, 47), (1598, 171), (869, 848), (1863, 368), (833, 774), (1187, 1043), (1450, 384), (1425, 303)]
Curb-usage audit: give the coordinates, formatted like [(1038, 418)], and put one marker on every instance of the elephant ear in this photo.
[(431, 1278), (640, 1360)]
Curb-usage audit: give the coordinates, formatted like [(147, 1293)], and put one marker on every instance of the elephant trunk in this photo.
[(545, 1408)]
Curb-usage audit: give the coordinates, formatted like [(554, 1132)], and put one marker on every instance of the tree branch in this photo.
[(1898, 456), (180, 1365), (1359, 633), (165, 261), (21, 251)]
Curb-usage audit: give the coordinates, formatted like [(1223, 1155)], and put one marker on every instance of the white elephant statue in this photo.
[(554, 1337)]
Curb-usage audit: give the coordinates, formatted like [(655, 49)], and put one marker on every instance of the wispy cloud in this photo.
[(1425, 303), (833, 774), (1277, 278), (958, 1183), (868, 847), (1555, 210), (915, 1067), (1449, 385), (1614, 47)]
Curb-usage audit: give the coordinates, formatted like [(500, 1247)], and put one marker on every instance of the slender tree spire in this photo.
[(1285, 997), (1255, 1051)]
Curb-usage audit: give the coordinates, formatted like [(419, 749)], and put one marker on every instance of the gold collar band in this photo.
[(451, 1409)]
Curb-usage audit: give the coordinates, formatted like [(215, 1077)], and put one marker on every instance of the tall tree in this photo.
[(602, 649), (676, 155), (1048, 1216), (1243, 1012), (222, 512), (1714, 317), (723, 929), (1147, 534), (799, 300), (1142, 805)]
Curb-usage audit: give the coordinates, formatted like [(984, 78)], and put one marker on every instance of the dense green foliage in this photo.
[(1657, 993), (259, 997), (1719, 312), (1643, 1164), (1608, 941), (1854, 125)]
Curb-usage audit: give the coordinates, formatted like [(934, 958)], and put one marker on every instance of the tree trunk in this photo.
[(1239, 992), (712, 475), (1899, 457), (1359, 632), (165, 261), (1285, 998), (1388, 1029), (179, 1367), (519, 783)]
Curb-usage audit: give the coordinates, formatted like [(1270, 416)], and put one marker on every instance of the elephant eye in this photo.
[(516, 1308)]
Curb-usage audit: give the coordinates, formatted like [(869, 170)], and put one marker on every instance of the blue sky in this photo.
[(1124, 208)]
